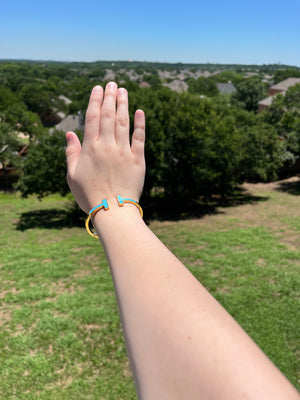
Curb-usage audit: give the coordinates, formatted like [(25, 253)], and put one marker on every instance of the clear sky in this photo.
[(219, 31)]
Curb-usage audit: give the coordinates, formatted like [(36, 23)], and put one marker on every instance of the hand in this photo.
[(106, 164)]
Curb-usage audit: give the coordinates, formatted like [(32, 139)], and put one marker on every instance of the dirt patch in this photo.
[(82, 273), (224, 290), (91, 327), (62, 287), (3, 293), (5, 316), (195, 263), (261, 262), (252, 188), (127, 371), (64, 383), (79, 249)]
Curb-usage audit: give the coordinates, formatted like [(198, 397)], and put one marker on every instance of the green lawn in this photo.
[(60, 335)]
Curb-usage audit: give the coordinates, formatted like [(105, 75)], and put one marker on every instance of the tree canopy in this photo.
[(199, 143)]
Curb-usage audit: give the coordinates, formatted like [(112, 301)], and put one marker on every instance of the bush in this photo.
[(44, 169)]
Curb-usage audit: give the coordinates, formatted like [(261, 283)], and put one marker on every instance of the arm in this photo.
[(181, 343)]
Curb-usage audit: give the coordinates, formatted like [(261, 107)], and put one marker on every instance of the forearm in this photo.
[(173, 325)]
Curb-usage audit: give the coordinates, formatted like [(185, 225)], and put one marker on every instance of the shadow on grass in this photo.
[(176, 209), (51, 218), (154, 208), (292, 187)]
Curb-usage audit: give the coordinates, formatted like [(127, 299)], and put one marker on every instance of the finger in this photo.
[(108, 112), (122, 118), (73, 151), (138, 137), (92, 116)]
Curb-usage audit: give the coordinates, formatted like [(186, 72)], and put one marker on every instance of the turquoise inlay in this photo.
[(120, 200), (104, 204)]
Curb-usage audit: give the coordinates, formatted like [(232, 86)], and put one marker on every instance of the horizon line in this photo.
[(144, 61)]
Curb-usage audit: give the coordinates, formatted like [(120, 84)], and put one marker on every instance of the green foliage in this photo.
[(249, 92), (203, 86), (283, 74), (7, 97), (194, 146), (44, 169), (37, 99), (9, 144), (190, 153), (212, 148), (153, 79), (284, 116), (262, 156), (227, 76), (292, 97), (24, 121), (158, 106)]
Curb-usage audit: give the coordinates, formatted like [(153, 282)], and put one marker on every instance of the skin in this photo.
[(182, 344)]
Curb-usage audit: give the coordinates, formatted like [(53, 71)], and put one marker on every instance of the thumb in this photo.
[(73, 151)]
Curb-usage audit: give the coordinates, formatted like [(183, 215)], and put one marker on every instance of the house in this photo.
[(279, 88), (56, 116), (227, 88), (70, 123), (60, 114), (283, 86), (144, 84), (262, 104), (177, 86), (65, 99)]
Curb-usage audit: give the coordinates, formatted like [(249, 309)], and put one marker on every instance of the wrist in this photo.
[(114, 213)]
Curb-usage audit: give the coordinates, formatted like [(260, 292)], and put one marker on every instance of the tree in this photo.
[(7, 98), (9, 145), (249, 92), (292, 98), (284, 115), (152, 78), (203, 149), (44, 169), (227, 76), (262, 155), (42, 101), (203, 86), (24, 121), (37, 99), (282, 74), (159, 105)]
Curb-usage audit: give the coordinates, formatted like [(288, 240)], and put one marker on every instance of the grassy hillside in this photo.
[(60, 335)]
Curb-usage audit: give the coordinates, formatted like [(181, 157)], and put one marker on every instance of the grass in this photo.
[(60, 335)]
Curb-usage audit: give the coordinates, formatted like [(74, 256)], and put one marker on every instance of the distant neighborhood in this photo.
[(38, 100)]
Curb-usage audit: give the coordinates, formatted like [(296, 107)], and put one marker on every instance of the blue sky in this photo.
[(246, 32)]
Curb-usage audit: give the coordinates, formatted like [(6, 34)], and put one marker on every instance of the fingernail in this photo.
[(111, 85), (122, 92), (69, 137), (139, 113), (97, 89)]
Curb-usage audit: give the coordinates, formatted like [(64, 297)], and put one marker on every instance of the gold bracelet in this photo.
[(105, 205), (123, 200), (93, 211)]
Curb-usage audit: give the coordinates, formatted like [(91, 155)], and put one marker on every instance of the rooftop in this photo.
[(284, 85), (226, 87), (70, 123), (267, 101)]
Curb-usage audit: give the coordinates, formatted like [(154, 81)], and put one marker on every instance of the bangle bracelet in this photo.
[(105, 205), (93, 211), (123, 200)]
